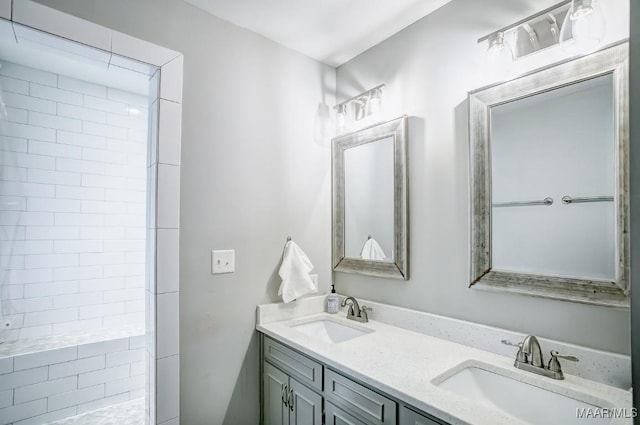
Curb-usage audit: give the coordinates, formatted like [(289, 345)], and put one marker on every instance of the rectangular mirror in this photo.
[(370, 201), (550, 182)]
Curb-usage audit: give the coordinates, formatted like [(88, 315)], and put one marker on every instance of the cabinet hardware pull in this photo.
[(291, 399), (282, 393)]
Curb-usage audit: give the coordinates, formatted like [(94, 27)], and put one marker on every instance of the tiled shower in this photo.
[(76, 194), (73, 211)]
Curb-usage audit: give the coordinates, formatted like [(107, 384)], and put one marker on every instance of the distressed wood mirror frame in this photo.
[(611, 61), (399, 268)]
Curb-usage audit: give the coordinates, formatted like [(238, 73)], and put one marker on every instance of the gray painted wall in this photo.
[(428, 68), (251, 175), (634, 105)]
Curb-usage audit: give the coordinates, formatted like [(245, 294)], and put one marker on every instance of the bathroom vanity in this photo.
[(319, 369), (295, 387)]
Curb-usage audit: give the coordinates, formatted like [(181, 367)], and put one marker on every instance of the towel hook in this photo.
[(285, 244), (368, 237)]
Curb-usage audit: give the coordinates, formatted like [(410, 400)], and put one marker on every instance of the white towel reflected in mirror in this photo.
[(372, 251)]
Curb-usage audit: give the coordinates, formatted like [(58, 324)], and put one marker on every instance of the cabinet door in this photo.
[(275, 383), (305, 405), (337, 416)]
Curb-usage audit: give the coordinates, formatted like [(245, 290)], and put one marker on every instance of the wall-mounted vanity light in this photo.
[(495, 42), (358, 107), (577, 22), (375, 101), (341, 115), (585, 25)]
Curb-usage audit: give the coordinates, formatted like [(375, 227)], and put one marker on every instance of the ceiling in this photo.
[(330, 31)]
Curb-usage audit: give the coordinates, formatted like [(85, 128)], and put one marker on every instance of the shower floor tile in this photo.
[(128, 413)]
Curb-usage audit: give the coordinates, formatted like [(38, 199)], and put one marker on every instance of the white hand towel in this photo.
[(372, 251), (294, 272)]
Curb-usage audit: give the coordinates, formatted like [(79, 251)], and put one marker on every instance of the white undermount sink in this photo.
[(524, 401), (330, 331)]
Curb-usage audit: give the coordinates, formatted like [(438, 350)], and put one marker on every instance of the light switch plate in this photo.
[(223, 261)]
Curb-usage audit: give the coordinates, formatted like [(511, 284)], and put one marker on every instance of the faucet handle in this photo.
[(364, 312), (554, 364), (521, 356), (554, 353)]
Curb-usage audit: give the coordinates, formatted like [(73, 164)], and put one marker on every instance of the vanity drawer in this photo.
[(409, 417), (362, 402), (295, 364), (337, 416)]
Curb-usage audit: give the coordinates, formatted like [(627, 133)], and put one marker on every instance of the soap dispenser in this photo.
[(333, 301)]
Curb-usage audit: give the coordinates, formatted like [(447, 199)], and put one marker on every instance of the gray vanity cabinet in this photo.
[(288, 402), (299, 390)]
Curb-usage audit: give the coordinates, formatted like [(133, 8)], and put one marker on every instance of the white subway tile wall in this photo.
[(73, 198), (40, 387)]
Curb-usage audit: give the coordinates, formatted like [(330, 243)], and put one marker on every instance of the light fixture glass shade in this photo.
[(584, 27), (495, 43), (341, 118), (375, 102), (360, 108), (499, 60)]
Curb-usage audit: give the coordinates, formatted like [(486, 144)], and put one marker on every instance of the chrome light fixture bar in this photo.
[(557, 24), (358, 107), (531, 34)]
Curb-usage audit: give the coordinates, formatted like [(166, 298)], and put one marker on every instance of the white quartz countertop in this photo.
[(404, 363)]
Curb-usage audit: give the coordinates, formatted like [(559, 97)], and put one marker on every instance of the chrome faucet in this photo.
[(531, 348), (355, 312), (529, 358)]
